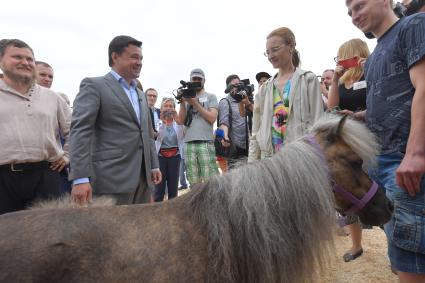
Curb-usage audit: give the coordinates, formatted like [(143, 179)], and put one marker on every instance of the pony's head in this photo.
[(349, 149)]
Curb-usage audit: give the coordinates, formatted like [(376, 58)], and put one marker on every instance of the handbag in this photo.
[(169, 152), (220, 150)]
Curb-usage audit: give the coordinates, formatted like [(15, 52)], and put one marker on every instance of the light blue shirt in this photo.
[(131, 92)]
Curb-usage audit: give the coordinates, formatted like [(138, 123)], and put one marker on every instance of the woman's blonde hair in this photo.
[(168, 99), (289, 39), (349, 49)]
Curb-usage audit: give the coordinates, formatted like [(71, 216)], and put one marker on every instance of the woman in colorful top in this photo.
[(288, 103), (348, 95), (169, 145)]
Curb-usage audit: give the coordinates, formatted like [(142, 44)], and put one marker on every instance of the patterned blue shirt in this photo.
[(389, 89)]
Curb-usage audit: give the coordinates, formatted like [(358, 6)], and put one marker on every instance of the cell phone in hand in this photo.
[(349, 63)]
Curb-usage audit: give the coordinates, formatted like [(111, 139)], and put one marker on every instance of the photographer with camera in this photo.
[(198, 112), (232, 122)]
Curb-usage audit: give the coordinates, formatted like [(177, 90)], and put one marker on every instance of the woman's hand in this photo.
[(346, 112), (339, 72), (362, 61)]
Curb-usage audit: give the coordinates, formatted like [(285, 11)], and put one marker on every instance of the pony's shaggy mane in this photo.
[(66, 202), (264, 220)]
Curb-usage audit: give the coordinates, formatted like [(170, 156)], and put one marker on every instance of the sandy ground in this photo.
[(373, 266)]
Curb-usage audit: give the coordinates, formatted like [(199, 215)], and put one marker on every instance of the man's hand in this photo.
[(192, 101), (225, 142), (81, 193), (410, 172), (156, 176), (59, 164), (323, 89), (245, 101), (346, 112)]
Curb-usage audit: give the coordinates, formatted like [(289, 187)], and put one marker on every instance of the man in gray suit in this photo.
[(112, 146)]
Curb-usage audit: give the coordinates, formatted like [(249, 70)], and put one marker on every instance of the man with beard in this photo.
[(325, 83), (112, 144), (198, 114), (30, 118)]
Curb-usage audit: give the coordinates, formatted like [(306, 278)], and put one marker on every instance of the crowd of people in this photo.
[(114, 141)]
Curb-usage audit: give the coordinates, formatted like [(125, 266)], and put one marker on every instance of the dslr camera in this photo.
[(243, 89), (168, 114), (187, 90)]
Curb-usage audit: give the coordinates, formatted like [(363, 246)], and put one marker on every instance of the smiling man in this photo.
[(394, 74), (30, 118), (112, 146)]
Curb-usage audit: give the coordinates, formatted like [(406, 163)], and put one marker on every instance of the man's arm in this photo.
[(182, 113), (245, 105), (86, 107), (412, 168), (153, 154), (64, 122)]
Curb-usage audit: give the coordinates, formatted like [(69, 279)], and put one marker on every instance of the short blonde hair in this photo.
[(349, 49), (168, 99)]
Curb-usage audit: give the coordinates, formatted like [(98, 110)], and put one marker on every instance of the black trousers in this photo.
[(239, 159), (170, 177), (20, 189)]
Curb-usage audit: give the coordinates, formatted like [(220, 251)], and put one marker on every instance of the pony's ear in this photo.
[(335, 132)]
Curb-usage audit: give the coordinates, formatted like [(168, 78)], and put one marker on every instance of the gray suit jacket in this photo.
[(108, 144)]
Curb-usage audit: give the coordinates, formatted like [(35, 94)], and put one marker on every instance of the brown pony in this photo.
[(269, 221)]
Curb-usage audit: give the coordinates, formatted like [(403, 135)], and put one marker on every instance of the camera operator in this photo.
[(198, 114), (237, 131)]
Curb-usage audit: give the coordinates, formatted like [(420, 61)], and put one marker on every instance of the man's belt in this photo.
[(200, 141), (25, 166)]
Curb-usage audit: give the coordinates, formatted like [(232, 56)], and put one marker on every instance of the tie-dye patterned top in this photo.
[(280, 115)]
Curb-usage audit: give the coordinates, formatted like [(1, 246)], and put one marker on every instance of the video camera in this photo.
[(243, 89), (187, 90)]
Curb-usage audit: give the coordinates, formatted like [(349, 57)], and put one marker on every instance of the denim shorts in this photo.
[(406, 229)]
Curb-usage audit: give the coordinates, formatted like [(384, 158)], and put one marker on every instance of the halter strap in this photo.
[(357, 204)]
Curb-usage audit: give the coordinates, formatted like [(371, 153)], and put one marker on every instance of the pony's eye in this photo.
[(357, 163)]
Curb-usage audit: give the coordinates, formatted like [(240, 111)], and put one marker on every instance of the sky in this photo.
[(222, 37)]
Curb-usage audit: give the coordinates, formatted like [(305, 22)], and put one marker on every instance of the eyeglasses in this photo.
[(272, 51), (336, 59)]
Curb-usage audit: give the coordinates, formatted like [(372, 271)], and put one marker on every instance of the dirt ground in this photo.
[(373, 266)]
